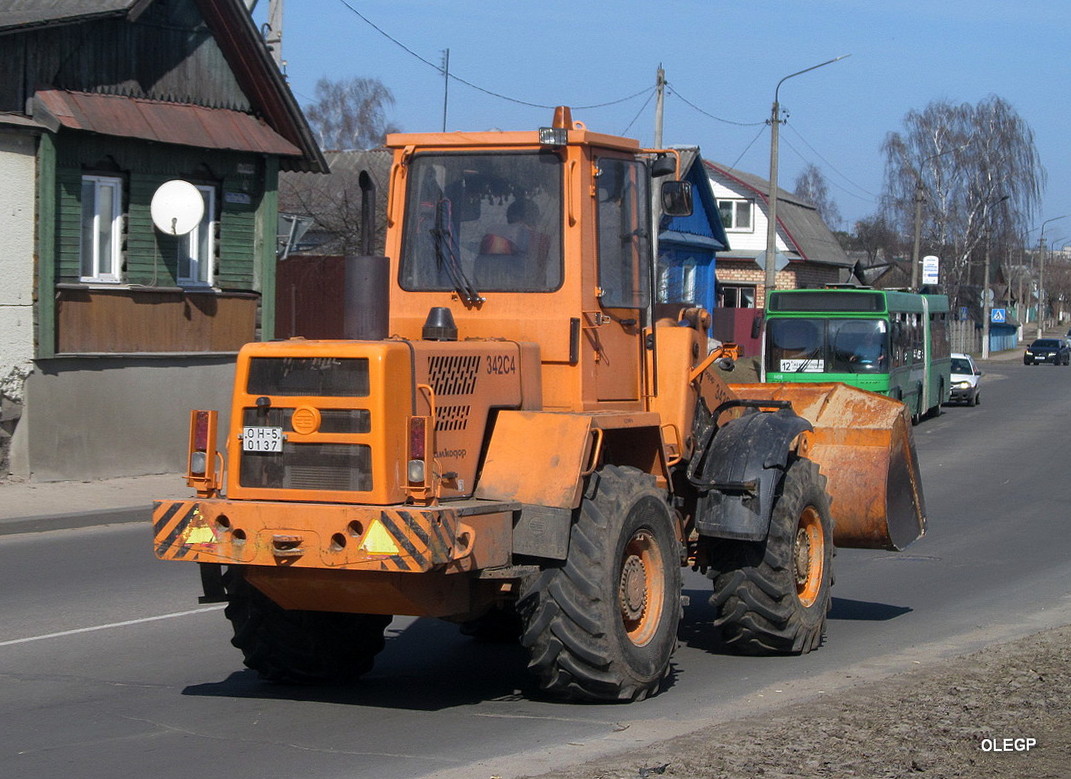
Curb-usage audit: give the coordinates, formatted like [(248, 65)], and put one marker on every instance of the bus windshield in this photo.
[(827, 346)]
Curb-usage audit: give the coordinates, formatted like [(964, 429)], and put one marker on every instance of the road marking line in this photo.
[(111, 625)]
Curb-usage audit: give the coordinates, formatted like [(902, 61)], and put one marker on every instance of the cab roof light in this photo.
[(553, 136), (558, 132)]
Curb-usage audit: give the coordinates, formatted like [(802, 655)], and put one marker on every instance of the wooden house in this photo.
[(112, 329)]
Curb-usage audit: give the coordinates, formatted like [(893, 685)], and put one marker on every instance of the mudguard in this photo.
[(739, 471)]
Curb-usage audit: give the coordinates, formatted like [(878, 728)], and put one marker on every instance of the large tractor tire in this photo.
[(772, 596), (300, 647), (603, 625)]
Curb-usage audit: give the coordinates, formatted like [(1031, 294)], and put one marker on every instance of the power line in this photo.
[(693, 106), (830, 164), (646, 103), (757, 136), (870, 198), (439, 69)]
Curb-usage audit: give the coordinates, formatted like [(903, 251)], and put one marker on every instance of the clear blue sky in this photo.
[(722, 59)]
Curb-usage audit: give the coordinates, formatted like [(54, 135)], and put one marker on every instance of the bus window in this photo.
[(859, 346), (795, 346)]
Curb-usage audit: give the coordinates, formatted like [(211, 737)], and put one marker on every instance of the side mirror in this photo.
[(663, 166), (756, 327), (677, 198)]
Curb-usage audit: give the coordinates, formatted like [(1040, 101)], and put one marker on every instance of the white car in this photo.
[(965, 376)]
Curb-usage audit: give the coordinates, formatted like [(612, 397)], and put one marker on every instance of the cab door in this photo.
[(624, 267)]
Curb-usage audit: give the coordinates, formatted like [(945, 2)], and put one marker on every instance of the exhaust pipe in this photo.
[(367, 277)]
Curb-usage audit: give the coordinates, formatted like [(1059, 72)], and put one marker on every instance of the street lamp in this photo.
[(986, 293), (1041, 273), (771, 227)]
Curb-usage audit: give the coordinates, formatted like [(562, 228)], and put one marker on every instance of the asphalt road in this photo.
[(110, 667)]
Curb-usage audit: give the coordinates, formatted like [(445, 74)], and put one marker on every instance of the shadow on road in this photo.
[(697, 628), (865, 611), (427, 666)]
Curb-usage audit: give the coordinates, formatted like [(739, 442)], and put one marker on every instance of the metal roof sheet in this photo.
[(20, 13), (177, 123)]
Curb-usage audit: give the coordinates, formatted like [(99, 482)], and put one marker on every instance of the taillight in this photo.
[(418, 436), (200, 465), (199, 443)]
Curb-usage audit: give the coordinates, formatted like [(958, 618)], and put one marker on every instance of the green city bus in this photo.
[(893, 343)]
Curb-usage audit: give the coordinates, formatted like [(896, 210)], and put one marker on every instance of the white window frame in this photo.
[(736, 203), (738, 293), (102, 269), (199, 246), (688, 278)]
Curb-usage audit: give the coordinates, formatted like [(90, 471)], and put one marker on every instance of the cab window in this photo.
[(624, 233)]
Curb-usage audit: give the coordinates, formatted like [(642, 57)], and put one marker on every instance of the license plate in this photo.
[(262, 439)]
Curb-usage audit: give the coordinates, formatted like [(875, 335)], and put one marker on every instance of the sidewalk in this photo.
[(29, 506)]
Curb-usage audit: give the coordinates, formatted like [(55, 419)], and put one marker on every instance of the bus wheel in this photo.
[(937, 409)]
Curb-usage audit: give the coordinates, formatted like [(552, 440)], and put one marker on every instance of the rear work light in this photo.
[(202, 473)]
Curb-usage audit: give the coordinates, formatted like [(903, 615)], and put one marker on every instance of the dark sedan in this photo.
[(1050, 350)]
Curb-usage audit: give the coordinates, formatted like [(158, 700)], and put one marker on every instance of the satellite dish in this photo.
[(177, 207)]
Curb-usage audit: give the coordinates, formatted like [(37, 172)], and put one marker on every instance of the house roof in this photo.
[(37, 13), (177, 123), (703, 228), (301, 191), (797, 219), (234, 31), (334, 201)]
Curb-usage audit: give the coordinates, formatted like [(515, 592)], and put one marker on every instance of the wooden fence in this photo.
[(964, 336)]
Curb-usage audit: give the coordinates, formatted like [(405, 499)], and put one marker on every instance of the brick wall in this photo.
[(797, 275)]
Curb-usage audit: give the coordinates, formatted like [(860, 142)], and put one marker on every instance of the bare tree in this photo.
[(1058, 288), (977, 173), (334, 201), (350, 113), (811, 186)]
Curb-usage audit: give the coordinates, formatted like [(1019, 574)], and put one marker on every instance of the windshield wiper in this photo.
[(806, 362), (446, 255)]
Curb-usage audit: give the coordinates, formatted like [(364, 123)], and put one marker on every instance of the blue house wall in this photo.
[(687, 246)]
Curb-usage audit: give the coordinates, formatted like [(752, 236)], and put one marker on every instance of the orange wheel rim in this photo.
[(809, 556), (641, 587)]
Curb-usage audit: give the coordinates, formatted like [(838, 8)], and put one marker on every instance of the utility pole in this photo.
[(656, 200), (660, 100), (771, 225), (919, 197), (1041, 283), (1041, 272), (273, 32), (446, 84), (987, 294), (771, 210)]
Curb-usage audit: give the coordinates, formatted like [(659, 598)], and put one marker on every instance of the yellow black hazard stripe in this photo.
[(419, 539), (170, 521)]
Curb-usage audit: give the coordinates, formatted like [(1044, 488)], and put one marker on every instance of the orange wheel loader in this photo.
[(510, 439)]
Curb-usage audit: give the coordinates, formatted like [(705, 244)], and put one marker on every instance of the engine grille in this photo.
[(453, 374), (346, 467), (309, 466)]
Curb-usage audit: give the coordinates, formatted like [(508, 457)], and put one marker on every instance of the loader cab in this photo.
[(542, 236)]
